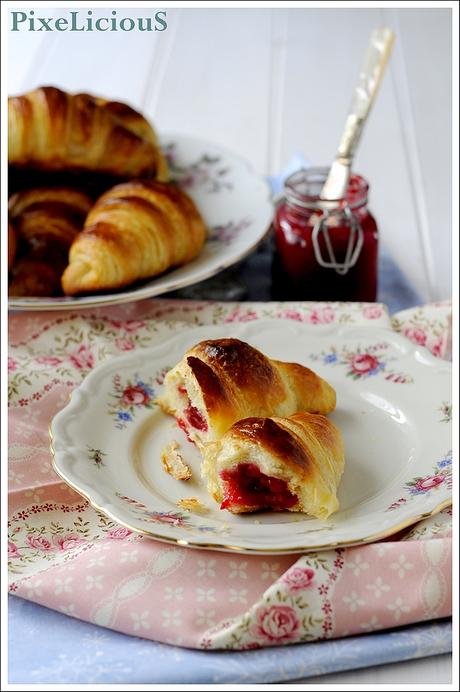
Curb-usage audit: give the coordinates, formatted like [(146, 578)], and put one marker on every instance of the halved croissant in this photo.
[(51, 130), (47, 220), (292, 463), (134, 231), (219, 382)]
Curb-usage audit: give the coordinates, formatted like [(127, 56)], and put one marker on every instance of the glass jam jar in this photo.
[(325, 250)]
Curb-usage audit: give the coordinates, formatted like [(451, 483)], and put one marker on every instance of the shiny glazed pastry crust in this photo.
[(134, 231), (51, 130), (225, 380), (304, 450)]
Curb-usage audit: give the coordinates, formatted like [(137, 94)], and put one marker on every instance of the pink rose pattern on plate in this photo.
[(227, 233), (120, 533), (170, 518), (364, 363), (207, 171), (130, 396), (441, 476), (66, 555)]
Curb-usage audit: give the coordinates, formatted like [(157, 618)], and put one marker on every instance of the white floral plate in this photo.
[(393, 408), (235, 205)]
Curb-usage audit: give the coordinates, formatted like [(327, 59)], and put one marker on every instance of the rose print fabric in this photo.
[(429, 326), (66, 555)]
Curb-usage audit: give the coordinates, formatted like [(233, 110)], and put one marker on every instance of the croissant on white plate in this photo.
[(218, 382), (136, 230)]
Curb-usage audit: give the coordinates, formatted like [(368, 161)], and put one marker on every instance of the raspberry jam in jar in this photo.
[(325, 250)]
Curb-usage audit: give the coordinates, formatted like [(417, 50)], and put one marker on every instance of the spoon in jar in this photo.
[(370, 77)]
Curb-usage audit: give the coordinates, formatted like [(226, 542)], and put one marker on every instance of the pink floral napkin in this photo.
[(66, 555)]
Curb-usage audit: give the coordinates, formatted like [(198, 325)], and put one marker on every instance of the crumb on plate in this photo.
[(192, 504), (174, 464)]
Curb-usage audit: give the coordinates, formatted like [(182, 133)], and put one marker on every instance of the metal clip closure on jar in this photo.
[(354, 245), (331, 210)]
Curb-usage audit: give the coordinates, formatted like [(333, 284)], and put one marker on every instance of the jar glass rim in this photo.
[(304, 186)]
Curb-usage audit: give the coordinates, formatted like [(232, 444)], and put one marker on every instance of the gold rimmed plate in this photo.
[(107, 441)]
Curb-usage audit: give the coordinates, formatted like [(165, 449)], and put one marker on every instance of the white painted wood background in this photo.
[(267, 83)]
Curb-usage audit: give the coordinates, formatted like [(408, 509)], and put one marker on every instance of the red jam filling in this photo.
[(195, 418), (247, 485)]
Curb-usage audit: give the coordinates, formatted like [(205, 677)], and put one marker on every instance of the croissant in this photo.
[(47, 221), (134, 231), (34, 277), (51, 130), (135, 122), (219, 382), (292, 463)]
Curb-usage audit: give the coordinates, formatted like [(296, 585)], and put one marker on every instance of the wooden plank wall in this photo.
[(268, 83)]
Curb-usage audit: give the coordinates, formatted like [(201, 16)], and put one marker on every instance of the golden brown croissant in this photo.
[(51, 130), (219, 382), (47, 221), (134, 231), (135, 122), (292, 463)]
